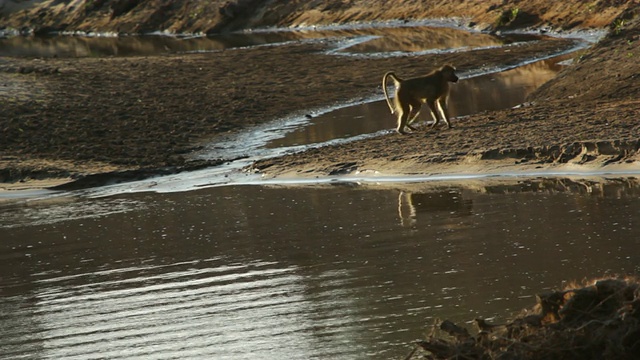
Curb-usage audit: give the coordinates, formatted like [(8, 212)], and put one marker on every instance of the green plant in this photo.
[(514, 13), (506, 17), (196, 13), (618, 24)]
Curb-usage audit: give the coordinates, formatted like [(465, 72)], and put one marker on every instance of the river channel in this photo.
[(192, 266)]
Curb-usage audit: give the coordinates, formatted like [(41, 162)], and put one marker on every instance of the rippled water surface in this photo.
[(342, 271)]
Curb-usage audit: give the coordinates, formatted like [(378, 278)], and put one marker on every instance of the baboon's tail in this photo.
[(396, 81)]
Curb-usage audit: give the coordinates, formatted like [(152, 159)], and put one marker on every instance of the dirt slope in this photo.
[(219, 15)]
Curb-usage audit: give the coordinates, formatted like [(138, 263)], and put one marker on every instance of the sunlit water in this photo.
[(341, 272)]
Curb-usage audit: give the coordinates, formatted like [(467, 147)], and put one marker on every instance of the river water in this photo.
[(324, 271), (339, 270)]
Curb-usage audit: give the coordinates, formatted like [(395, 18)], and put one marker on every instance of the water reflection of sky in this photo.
[(149, 310)]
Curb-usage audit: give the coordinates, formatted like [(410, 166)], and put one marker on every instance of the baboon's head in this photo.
[(449, 73)]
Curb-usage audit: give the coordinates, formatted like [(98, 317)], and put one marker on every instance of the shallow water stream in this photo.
[(218, 264)]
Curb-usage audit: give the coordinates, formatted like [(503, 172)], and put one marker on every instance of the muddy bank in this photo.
[(69, 118), (82, 116)]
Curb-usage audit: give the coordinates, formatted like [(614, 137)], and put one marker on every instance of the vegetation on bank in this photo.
[(598, 320)]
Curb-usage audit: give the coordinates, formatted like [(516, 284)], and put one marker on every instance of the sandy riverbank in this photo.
[(64, 119)]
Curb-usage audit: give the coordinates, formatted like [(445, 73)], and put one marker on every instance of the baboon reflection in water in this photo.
[(410, 204)]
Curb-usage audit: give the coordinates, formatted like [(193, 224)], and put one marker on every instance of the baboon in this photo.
[(412, 93)]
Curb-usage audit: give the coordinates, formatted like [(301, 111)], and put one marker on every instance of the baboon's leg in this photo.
[(403, 116), (443, 109), (432, 111), (415, 106)]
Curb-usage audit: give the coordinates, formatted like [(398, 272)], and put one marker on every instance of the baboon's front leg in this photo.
[(432, 111), (443, 109)]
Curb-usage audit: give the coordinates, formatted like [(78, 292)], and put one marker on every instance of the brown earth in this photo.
[(68, 118), (181, 16)]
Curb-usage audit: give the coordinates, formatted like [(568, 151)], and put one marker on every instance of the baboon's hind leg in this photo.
[(415, 107), (403, 111)]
